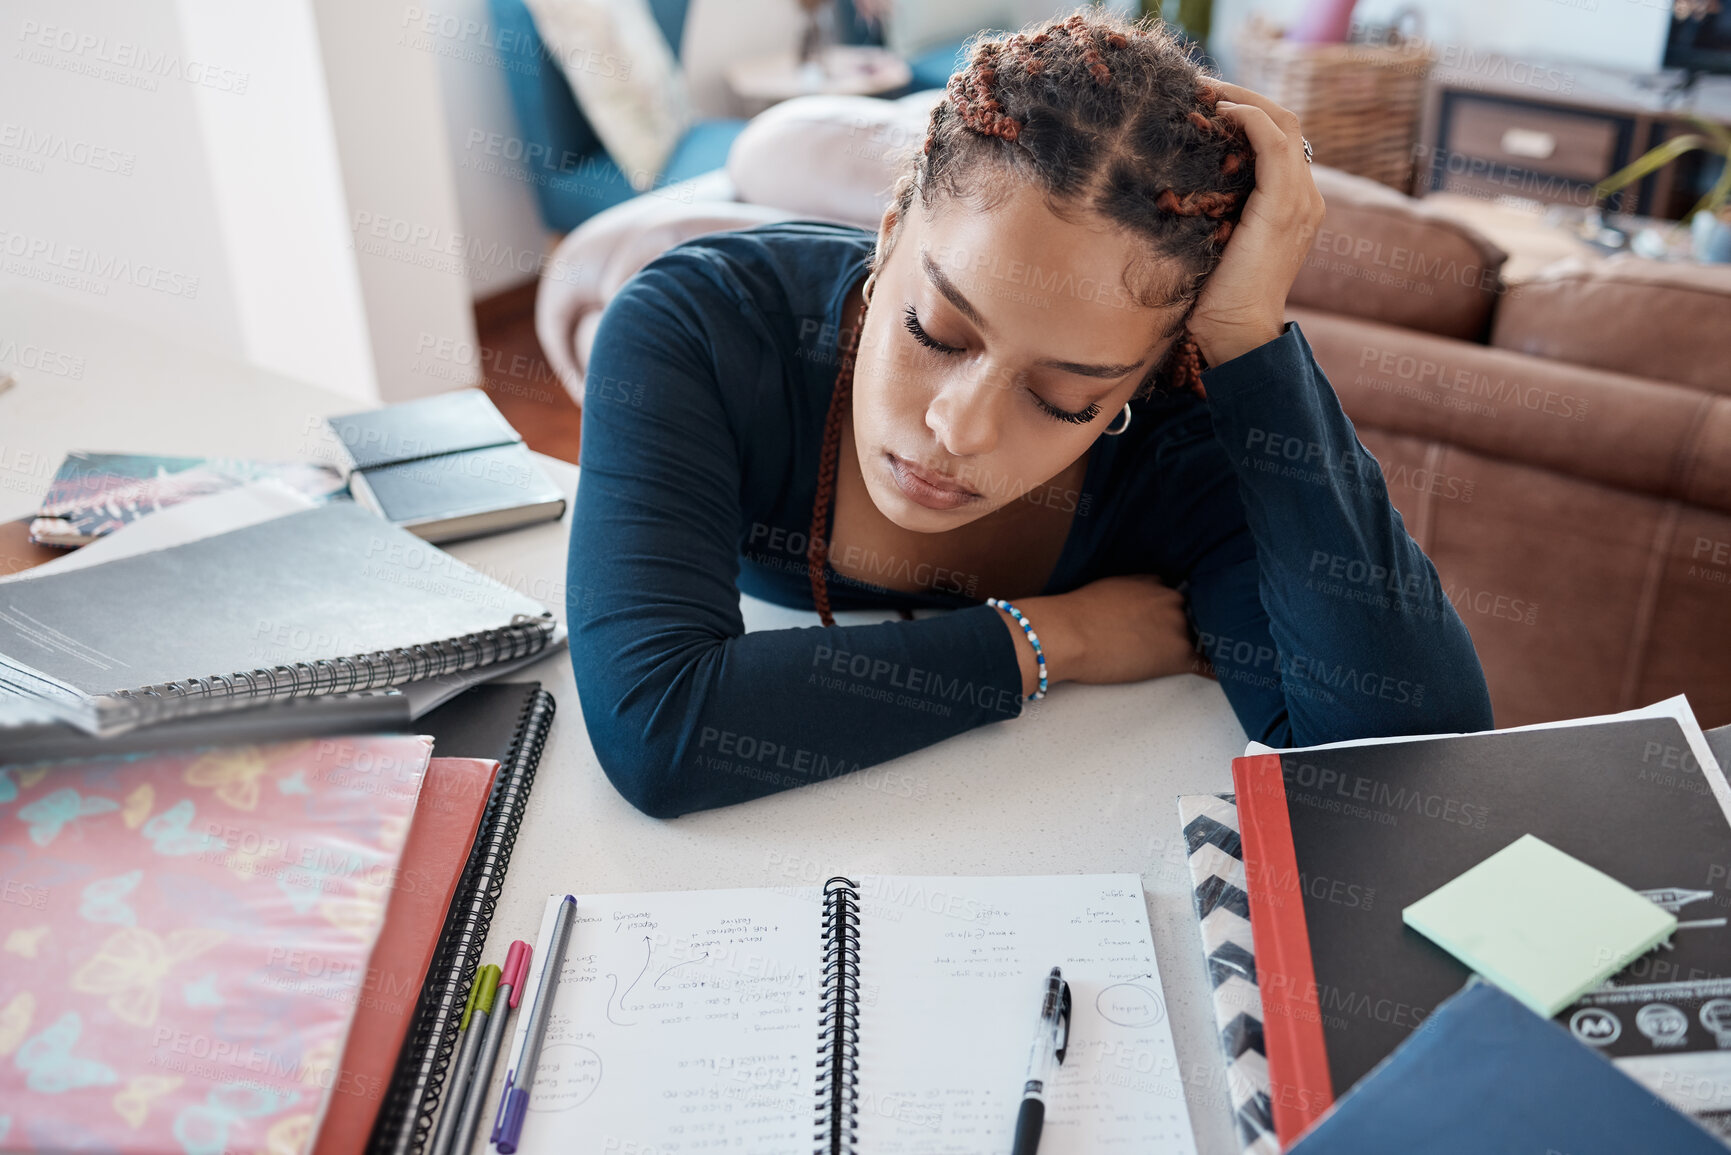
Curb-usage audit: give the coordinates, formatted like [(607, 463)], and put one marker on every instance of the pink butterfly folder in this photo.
[(184, 938)]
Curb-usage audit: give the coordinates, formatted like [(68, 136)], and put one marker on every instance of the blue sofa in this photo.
[(571, 173)]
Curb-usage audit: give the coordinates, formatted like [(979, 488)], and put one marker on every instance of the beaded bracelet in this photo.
[(1027, 628)]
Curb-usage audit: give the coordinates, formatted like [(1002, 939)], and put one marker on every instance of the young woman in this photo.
[(995, 407)]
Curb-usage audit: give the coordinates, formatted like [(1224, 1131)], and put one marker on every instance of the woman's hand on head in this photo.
[(1243, 303)]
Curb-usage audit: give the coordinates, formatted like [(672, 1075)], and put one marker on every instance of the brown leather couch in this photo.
[(1560, 447)]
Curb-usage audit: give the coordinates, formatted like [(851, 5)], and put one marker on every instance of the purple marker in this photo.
[(514, 1102)]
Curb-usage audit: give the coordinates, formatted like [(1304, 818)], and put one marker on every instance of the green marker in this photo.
[(473, 1026)]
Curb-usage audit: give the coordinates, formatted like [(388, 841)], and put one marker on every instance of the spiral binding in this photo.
[(525, 635), (838, 1024), (405, 1120)]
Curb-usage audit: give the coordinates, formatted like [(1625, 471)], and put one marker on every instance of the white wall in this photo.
[(105, 199), (269, 181), (496, 207), (409, 246), (1623, 34), (278, 192)]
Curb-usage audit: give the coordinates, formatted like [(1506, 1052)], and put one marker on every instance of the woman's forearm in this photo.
[(1060, 641), (1364, 640), (682, 720)]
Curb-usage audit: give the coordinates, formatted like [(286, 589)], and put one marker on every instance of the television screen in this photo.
[(1700, 36)]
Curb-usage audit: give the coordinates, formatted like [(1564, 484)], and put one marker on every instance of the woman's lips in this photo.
[(927, 490)]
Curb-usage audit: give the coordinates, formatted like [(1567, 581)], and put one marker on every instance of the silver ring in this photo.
[(1307, 150)]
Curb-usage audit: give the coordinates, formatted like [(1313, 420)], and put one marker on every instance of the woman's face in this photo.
[(1041, 346)]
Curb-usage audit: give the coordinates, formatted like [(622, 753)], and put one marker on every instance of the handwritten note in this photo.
[(683, 1023), (952, 972), (687, 1023)]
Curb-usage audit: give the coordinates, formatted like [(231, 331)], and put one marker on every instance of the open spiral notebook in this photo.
[(890, 1014)]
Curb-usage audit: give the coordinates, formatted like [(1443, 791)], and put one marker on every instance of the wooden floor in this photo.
[(18, 552), (518, 378)]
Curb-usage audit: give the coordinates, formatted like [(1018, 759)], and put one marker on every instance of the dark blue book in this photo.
[(1483, 1074)]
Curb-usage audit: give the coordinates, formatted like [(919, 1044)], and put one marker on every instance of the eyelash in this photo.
[(911, 322)]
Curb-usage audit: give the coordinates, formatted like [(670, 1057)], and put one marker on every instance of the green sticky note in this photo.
[(1540, 924)]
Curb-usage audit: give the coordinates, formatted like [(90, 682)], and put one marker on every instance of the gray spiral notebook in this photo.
[(327, 601)]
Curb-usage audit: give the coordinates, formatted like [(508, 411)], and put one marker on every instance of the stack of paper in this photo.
[(246, 598)]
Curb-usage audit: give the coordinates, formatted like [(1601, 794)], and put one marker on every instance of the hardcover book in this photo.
[(445, 467), (1486, 1075), (1337, 841)]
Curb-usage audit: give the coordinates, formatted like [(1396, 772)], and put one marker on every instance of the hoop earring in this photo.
[(1110, 432), (866, 289)]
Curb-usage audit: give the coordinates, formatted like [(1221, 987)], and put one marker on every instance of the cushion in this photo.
[(702, 149), (834, 157), (934, 67), (1669, 320), (1383, 256), (623, 72), (1630, 433), (595, 183), (546, 110), (1581, 598), (605, 251)]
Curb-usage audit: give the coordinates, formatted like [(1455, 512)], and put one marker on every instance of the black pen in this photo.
[(1050, 1041)]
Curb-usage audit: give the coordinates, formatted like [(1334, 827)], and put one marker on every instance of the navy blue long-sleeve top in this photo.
[(708, 383)]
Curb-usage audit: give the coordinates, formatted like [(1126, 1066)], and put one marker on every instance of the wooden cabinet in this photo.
[(1546, 132)]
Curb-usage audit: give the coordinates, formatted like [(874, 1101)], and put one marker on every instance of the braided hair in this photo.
[(1106, 115)]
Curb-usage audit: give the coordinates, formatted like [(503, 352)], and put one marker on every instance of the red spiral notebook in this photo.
[(447, 816)]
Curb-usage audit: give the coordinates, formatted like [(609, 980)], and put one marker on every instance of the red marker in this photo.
[(510, 992)]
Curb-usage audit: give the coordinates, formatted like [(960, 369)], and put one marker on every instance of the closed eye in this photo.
[(911, 321), (1081, 417)]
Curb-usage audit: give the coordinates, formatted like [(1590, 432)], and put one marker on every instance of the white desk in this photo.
[(1084, 781)]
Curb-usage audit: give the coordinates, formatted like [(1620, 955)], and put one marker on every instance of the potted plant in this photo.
[(1710, 218), (1194, 18)]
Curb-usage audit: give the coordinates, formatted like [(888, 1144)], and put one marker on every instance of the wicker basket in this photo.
[(1359, 104)]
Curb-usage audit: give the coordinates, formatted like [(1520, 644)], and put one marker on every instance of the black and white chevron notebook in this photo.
[(884, 1014), (326, 601), (1217, 871)]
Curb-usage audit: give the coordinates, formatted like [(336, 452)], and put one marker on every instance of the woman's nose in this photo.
[(968, 409)]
